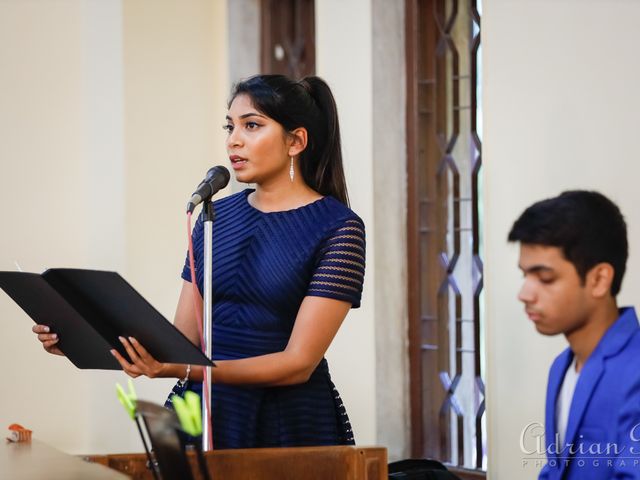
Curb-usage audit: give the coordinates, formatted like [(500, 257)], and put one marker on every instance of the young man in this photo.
[(573, 251)]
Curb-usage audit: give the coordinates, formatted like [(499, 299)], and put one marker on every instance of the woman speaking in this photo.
[(288, 264)]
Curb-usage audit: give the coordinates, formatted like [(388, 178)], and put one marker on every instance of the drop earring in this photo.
[(291, 170)]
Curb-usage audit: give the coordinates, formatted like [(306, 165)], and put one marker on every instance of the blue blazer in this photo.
[(602, 440)]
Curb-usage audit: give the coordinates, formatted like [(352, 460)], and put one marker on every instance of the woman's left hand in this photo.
[(142, 363)]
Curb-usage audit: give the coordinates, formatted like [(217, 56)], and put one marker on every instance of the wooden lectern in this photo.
[(301, 463)]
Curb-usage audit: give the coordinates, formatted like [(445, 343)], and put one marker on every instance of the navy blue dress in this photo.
[(264, 264)]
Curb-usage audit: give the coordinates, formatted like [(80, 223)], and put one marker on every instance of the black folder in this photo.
[(90, 309)]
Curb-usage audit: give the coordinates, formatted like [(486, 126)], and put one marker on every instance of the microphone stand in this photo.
[(208, 216), (216, 179)]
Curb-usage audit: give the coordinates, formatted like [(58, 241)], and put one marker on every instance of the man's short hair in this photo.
[(587, 226)]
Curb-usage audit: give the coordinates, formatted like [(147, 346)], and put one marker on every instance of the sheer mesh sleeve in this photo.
[(340, 271)]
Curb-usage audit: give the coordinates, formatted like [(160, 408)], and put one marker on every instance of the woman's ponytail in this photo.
[(326, 170)]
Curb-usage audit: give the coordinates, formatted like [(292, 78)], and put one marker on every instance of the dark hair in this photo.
[(587, 226), (308, 103)]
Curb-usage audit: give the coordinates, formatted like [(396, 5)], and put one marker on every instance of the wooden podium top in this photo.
[(35, 460), (308, 463)]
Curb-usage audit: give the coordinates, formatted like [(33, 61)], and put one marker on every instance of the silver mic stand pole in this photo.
[(208, 215), (216, 179)]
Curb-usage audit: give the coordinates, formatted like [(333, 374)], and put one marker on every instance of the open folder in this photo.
[(90, 309)]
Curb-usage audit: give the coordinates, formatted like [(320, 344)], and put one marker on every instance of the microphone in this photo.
[(217, 178)]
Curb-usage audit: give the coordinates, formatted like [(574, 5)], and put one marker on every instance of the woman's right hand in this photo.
[(48, 339)]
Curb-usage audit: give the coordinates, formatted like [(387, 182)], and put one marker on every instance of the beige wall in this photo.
[(53, 63), (390, 228), (121, 103), (560, 112), (343, 47)]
